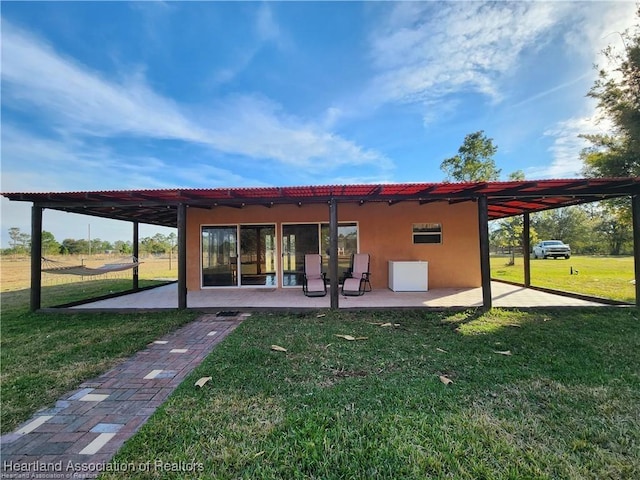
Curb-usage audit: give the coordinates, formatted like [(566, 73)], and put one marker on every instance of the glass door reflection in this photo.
[(219, 256), (297, 240), (258, 255)]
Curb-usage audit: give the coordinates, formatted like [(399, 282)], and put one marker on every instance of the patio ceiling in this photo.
[(505, 199)]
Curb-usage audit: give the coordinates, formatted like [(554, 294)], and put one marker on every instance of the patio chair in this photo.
[(313, 283), (356, 279)]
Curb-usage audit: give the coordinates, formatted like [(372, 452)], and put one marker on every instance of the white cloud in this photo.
[(552, 90), (566, 147), (267, 32), (425, 51), (36, 164), (200, 175), (81, 103), (257, 128), (267, 28), (598, 25), (593, 29)]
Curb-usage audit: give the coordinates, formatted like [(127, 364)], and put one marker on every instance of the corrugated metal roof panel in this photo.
[(157, 206)]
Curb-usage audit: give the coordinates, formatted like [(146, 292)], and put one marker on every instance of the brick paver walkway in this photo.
[(81, 433)]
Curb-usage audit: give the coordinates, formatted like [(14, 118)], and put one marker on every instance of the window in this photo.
[(427, 233)]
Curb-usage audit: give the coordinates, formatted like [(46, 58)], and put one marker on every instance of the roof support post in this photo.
[(36, 257), (635, 213), (485, 267), (182, 256), (333, 252), (526, 248), (136, 252)]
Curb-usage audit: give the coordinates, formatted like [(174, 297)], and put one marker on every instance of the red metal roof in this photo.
[(158, 207)]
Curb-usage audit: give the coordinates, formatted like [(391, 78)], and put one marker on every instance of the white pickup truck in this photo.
[(551, 248)]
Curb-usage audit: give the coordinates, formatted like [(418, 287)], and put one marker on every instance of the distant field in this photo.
[(58, 289), (600, 276), (15, 272)]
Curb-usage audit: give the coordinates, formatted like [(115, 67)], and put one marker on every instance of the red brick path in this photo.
[(85, 428)]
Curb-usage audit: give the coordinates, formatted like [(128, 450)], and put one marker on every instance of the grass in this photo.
[(564, 404), (44, 356), (599, 276)]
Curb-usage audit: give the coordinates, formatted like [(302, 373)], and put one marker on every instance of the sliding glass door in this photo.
[(347, 245), (258, 255), (246, 255), (219, 256), (297, 240), (242, 255)]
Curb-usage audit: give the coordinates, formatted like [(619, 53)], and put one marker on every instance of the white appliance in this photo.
[(408, 276)]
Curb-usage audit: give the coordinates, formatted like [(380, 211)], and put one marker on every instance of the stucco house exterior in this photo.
[(254, 246)]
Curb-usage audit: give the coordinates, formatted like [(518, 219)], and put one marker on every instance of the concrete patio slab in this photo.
[(504, 295)]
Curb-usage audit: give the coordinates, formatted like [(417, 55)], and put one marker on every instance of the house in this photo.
[(257, 237)]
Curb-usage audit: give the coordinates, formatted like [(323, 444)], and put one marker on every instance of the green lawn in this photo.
[(607, 277), (44, 356), (564, 404)]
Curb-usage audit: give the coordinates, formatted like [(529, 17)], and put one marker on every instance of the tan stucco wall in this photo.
[(384, 231)]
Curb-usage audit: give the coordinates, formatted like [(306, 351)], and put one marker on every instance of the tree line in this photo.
[(590, 229), (20, 244)]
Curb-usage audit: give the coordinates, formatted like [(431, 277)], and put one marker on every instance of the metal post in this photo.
[(526, 248), (136, 253), (333, 252), (635, 213), (485, 266), (182, 256), (36, 257)]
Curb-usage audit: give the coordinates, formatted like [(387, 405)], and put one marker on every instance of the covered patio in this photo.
[(483, 201), (503, 295)]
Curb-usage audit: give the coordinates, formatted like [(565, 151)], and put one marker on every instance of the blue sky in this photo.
[(115, 95)]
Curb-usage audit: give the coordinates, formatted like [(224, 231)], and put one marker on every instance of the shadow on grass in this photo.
[(73, 293)]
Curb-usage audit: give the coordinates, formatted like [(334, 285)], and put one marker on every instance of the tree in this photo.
[(617, 154), (509, 234), (73, 247), (614, 225), (49, 244), (19, 242), (100, 246), (509, 231), (157, 244), (474, 161), (518, 175), (14, 235), (570, 224), (123, 247)]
